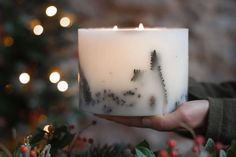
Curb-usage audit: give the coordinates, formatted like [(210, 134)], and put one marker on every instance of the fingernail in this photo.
[(146, 121)]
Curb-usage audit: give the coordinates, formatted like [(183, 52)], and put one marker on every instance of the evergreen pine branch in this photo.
[(116, 150)]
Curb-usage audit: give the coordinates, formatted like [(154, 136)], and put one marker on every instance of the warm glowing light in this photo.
[(115, 27), (140, 26), (65, 21), (24, 78), (51, 11), (33, 23), (62, 86), (38, 30), (8, 41), (48, 128), (54, 77)]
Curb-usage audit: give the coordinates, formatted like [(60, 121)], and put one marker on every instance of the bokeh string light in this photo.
[(62, 86), (38, 29), (54, 77), (65, 21), (51, 11), (24, 78), (8, 41)]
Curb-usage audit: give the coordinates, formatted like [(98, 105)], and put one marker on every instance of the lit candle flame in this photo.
[(140, 26), (115, 27)]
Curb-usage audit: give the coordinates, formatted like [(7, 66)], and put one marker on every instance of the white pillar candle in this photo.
[(133, 72)]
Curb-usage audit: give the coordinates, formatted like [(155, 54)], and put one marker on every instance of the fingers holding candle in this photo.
[(192, 114), (168, 122), (161, 123)]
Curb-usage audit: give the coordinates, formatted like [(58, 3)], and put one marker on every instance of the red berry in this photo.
[(23, 149), (199, 140), (163, 153), (173, 153), (195, 149), (218, 146), (32, 153), (171, 143)]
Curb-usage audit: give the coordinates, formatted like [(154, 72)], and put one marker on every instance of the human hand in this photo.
[(192, 114)]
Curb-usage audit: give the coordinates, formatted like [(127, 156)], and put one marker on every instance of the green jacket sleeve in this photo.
[(222, 112)]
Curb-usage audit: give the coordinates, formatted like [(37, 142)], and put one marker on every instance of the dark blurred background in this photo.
[(38, 51)]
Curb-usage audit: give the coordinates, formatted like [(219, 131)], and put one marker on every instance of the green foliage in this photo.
[(61, 138), (37, 137), (232, 149), (2, 154), (144, 143), (16, 153), (116, 150), (58, 138), (222, 153), (143, 150), (209, 147)]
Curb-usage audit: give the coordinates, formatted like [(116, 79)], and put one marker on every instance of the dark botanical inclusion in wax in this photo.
[(85, 96), (155, 66), (126, 98)]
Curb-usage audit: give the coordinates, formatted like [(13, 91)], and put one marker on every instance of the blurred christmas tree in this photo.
[(35, 48)]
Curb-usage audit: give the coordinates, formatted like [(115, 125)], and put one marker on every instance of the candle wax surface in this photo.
[(132, 72)]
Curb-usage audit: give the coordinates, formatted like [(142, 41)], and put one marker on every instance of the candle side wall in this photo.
[(109, 59)]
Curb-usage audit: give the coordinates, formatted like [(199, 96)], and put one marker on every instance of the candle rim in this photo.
[(135, 29)]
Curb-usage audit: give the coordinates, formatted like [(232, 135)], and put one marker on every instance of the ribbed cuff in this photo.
[(215, 118)]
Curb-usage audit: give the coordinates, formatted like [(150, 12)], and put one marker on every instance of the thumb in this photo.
[(168, 122)]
